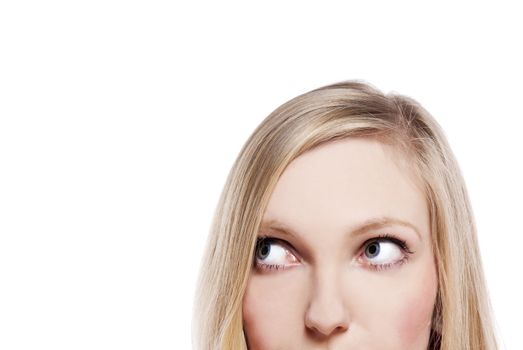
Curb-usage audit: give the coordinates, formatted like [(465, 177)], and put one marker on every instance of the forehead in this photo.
[(345, 182)]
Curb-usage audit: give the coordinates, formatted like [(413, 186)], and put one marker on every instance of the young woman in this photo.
[(344, 224)]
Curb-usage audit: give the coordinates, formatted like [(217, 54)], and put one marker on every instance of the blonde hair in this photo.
[(462, 317)]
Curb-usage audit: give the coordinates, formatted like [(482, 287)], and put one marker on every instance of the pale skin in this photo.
[(334, 284)]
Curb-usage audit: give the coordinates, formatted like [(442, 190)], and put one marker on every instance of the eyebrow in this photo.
[(366, 226)]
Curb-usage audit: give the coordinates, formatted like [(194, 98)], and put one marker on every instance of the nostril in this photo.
[(318, 330), (319, 335)]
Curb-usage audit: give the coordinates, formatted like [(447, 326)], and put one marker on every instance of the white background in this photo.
[(120, 121)]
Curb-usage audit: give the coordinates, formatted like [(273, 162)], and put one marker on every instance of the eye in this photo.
[(272, 253), (385, 252)]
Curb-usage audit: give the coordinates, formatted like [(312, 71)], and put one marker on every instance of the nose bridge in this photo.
[(327, 310)]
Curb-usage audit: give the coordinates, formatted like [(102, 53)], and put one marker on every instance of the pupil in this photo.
[(264, 250), (373, 249)]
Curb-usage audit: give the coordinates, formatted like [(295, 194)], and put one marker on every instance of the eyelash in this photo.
[(399, 242), (375, 267), (260, 240)]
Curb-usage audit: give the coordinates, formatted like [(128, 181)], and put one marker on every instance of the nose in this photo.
[(327, 313)]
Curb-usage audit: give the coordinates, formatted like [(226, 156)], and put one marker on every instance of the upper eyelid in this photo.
[(380, 237), (286, 245), (280, 241), (358, 254), (404, 246), (391, 239)]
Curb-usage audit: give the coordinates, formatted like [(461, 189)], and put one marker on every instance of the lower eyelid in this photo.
[(379, 267), (268, 266), (391, 239), (405, 252)]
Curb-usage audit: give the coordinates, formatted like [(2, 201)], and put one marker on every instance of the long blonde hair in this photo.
[(462, 317)]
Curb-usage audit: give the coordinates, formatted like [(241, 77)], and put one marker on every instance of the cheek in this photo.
[(271, 311), (401, 308), (416, 312)]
